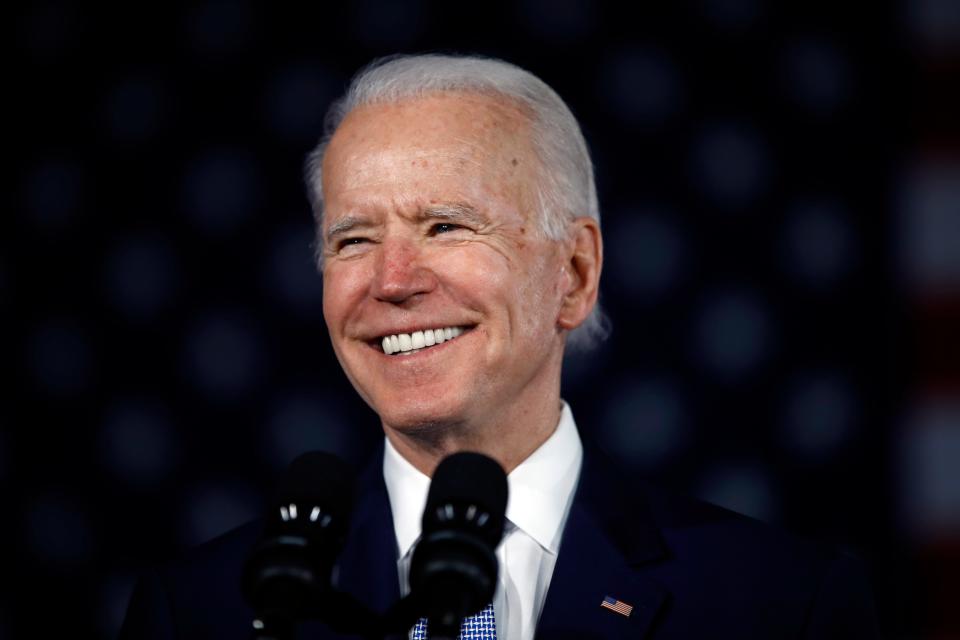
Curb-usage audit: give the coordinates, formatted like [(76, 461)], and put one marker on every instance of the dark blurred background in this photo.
[(780, 188)]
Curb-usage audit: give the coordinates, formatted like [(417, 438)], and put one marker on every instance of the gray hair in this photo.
[(566, 187)]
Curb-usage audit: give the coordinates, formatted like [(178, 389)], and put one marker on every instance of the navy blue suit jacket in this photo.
[(690, 570)]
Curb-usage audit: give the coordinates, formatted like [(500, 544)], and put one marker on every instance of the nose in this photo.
[(401, 274)]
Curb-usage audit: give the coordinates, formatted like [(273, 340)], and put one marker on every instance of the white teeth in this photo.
[(404, 342)]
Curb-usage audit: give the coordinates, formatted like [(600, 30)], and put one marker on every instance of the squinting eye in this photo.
[(349, 241), (444, 227)]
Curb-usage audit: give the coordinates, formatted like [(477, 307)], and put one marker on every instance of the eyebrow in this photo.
[(451, 212), (455, 212), (347, 224)]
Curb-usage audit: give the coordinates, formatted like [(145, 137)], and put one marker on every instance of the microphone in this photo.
[(289, 571), (453, 573)]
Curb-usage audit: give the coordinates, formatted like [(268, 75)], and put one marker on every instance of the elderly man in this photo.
[(459, 239)]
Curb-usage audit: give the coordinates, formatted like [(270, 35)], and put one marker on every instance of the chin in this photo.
[(421, 415)]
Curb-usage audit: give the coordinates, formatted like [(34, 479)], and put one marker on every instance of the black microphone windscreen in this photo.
[(305, 529), (469, 479), (320, 479)]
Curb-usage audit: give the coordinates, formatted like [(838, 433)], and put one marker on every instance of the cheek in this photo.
[(471, 272), (526, 292), (541, 295)]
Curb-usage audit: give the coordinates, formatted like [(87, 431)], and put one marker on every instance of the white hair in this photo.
[(566, 186)]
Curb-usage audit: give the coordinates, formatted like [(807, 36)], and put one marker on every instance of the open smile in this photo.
[(410, 343)]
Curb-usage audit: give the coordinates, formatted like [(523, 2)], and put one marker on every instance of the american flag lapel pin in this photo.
[(617, 606)]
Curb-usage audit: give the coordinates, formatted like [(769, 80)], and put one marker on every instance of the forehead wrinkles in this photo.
[(455, 134)]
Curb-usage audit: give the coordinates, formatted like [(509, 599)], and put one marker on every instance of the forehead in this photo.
[(432, 142), (433, 117)]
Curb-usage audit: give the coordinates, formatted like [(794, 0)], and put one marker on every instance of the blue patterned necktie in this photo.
[(481, 626)]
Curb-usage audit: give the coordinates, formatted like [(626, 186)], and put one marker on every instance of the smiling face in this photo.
[(430, 233)]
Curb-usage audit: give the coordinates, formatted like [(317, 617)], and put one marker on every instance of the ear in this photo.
[(583, 262)]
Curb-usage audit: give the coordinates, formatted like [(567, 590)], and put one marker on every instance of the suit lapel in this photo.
[(608, 534)]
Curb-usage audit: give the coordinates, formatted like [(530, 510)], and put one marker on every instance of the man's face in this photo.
[(430, 225)]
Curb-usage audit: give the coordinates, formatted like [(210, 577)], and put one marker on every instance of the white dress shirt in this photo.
[(541, 492)]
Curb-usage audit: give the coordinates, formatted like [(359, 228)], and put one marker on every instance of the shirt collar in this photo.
[(542, 486), (407, 488), (540, 489)]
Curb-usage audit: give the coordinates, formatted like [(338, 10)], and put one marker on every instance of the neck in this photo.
[(508, 435)]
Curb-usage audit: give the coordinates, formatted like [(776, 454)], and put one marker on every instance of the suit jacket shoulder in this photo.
[(198, 596), (691, 569)]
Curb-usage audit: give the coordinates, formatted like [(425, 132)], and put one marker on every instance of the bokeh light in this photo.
[(221, 189), (218, 28), (643, 86), (732, 165), (222, 355), (816, 75), (560, 21), (296, 99), (819, 244), (138, 443), (291, 274), (929, 227), (929, 449), (647, 254), (644, 423), (733, 334), (142, 276), (302, 422), (819, 416), (934, 23), (61, 358)]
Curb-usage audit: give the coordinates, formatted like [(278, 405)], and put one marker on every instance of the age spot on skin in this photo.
[(514, 162)]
